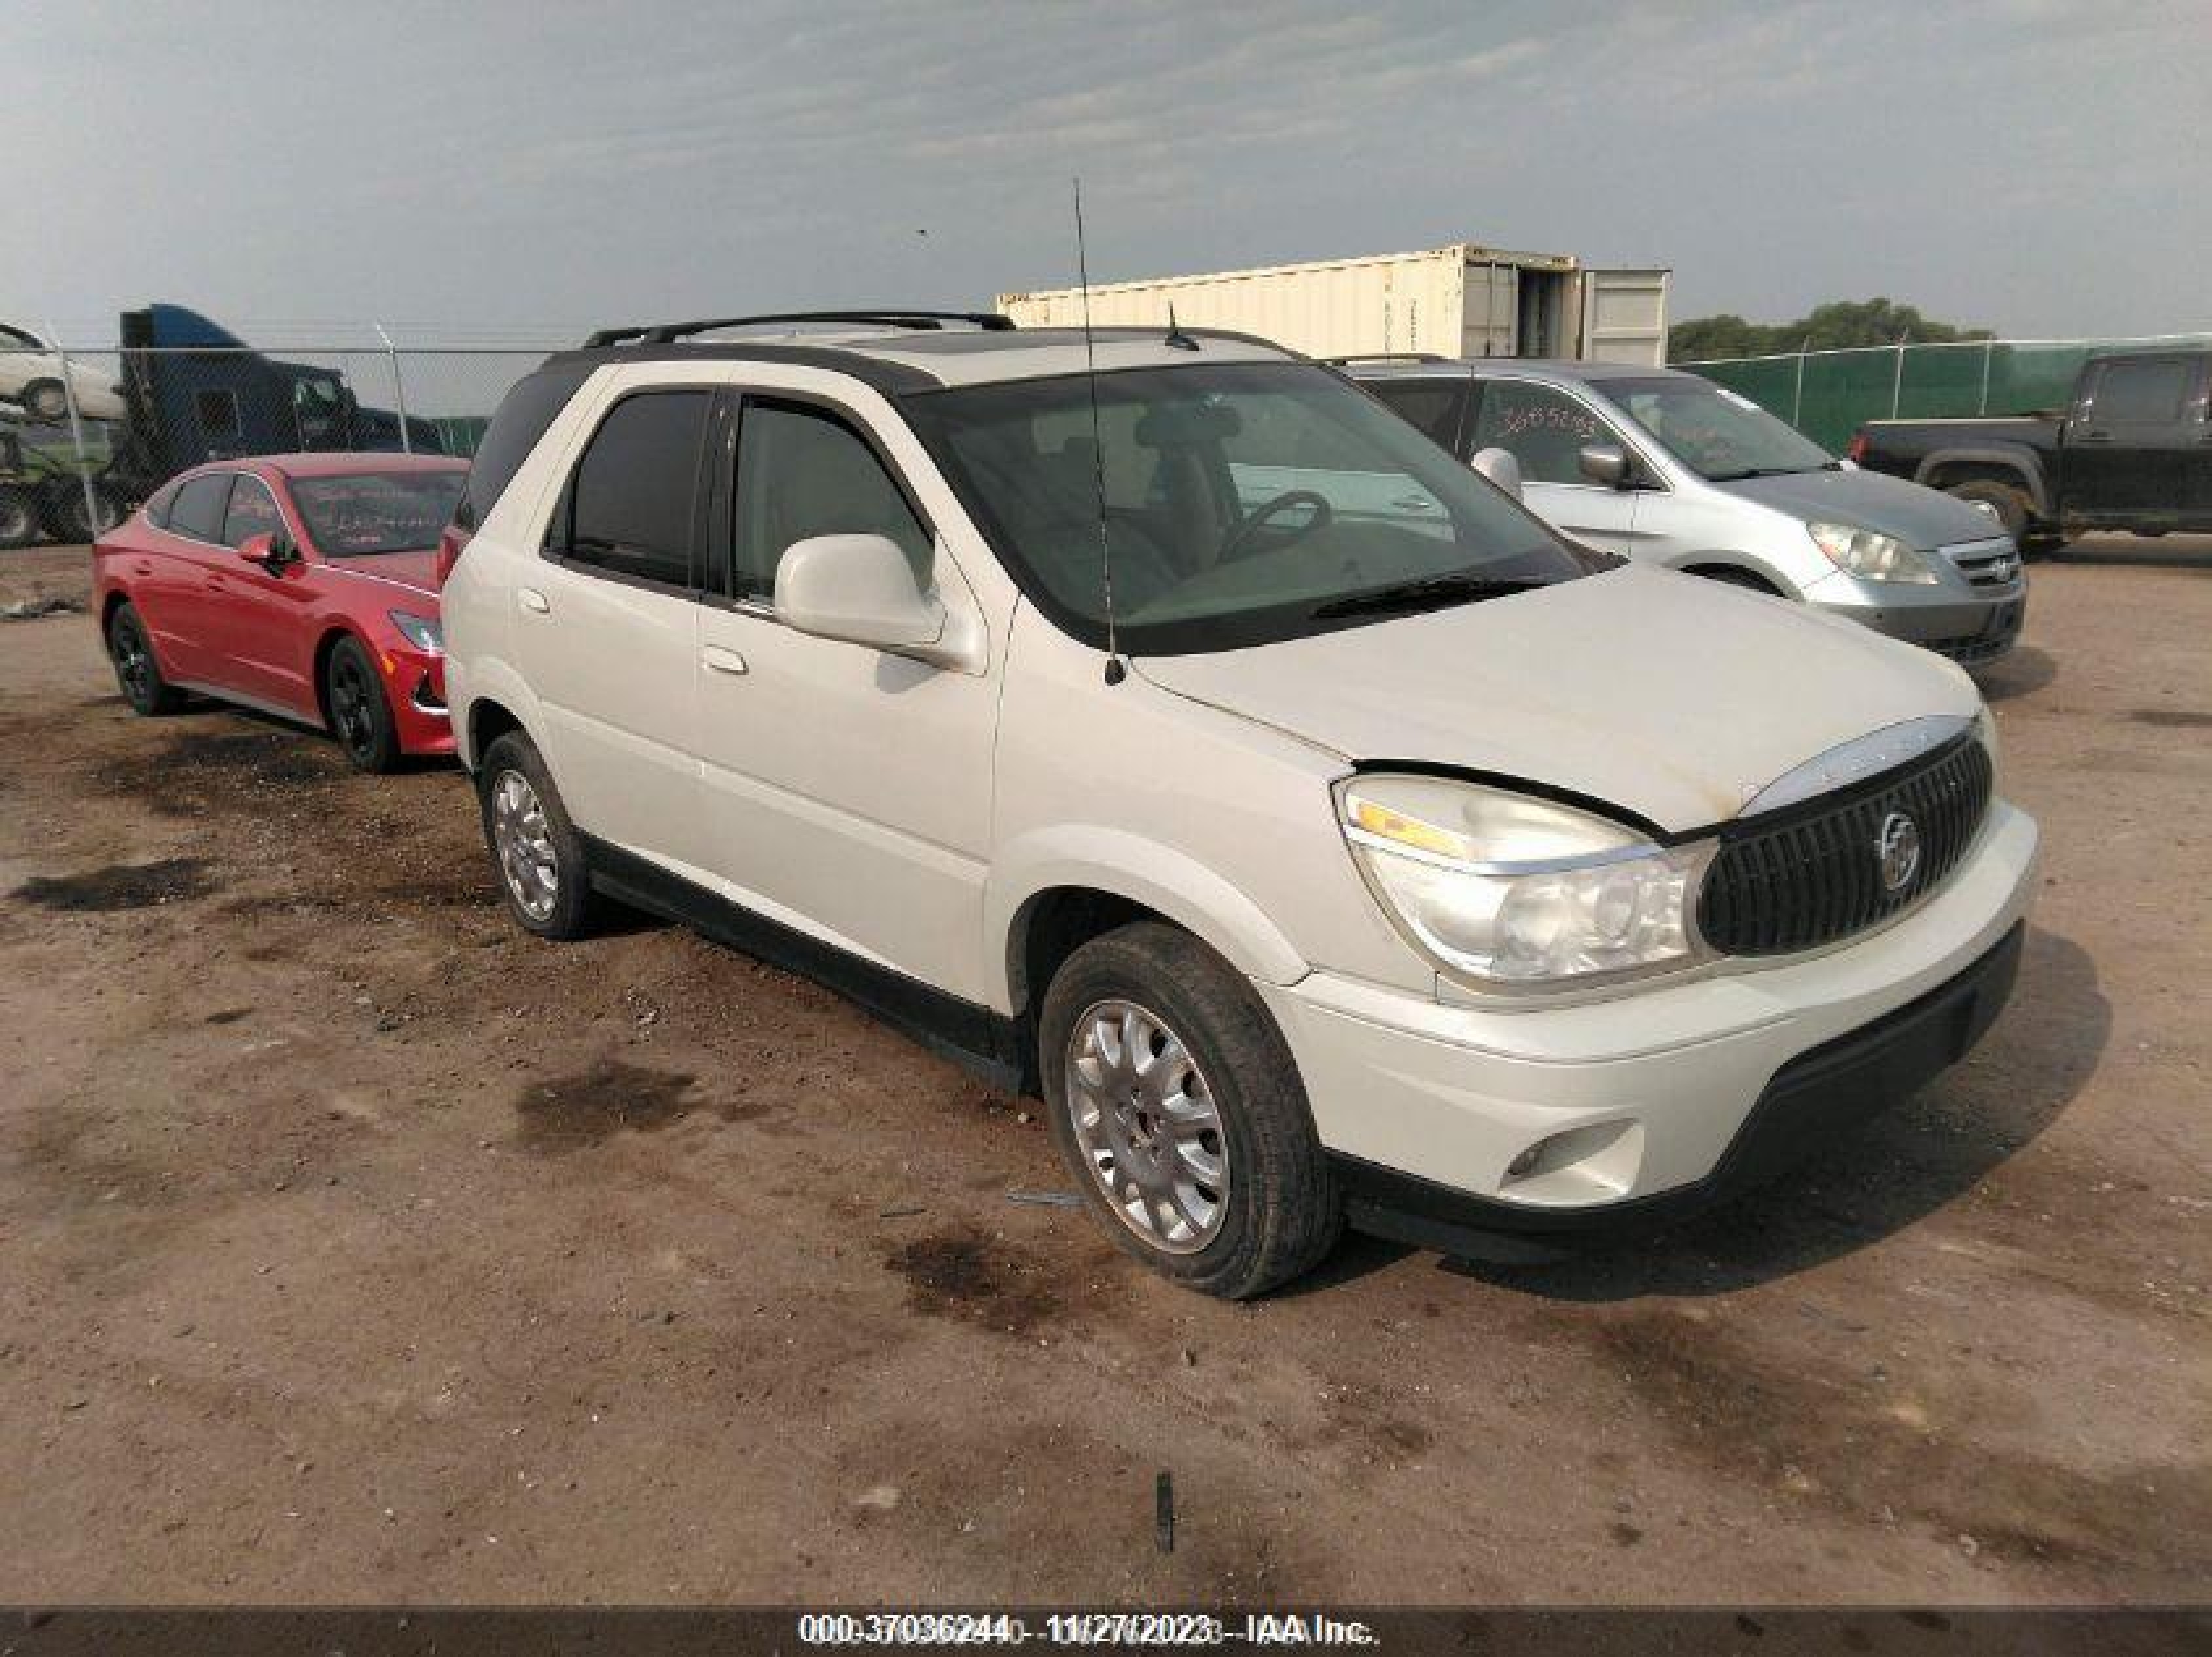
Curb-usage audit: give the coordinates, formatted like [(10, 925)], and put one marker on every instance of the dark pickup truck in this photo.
[(2132, 451)]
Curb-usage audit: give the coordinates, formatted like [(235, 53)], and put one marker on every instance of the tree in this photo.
[(1836, 326)]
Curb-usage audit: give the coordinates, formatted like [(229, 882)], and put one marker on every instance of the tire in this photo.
[(45, 401), (65, 510), (524, 818), (2014, 509), (1280, 1212), (360, 713), (19, 519), (137, 674)]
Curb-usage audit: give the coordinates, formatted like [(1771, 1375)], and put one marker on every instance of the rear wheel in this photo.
[(75, 525), (536, 850), (360, 713), (45, 401), (19, 519), (136, 673), (2014, 509), (1176, 1104)]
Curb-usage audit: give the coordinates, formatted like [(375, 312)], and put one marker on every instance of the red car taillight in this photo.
[(1855, 451), (452, 541)]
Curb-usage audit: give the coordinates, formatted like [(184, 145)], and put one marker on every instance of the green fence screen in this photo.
[(1828, 395)]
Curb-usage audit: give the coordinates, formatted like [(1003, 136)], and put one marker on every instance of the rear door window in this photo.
[(1434, 406), (198, 509), (632, 505)]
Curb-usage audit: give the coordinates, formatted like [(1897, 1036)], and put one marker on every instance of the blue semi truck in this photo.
[(193, 391)]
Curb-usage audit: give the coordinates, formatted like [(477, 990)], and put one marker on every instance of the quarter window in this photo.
[(253, 512), (803, 472), (631, 506), (199, 507), (1542, 429)]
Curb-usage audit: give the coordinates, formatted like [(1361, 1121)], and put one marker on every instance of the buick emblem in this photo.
[(1897, 846)]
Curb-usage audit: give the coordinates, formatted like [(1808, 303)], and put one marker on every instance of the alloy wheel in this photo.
[(524, 841), (1148, 1126), (350, 707)]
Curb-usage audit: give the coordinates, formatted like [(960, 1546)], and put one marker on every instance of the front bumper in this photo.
[(1425, 1107), (415, 686), (1969, 625)]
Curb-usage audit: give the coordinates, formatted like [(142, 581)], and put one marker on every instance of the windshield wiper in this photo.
[(1429, 593), (1771, 471)]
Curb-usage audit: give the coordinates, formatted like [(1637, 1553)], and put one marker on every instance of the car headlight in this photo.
[(421, 631), (1505, 892), (1869, 556)]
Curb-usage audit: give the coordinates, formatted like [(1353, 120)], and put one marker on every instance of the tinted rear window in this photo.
[(631, 506), (520, 420), (198, 508)]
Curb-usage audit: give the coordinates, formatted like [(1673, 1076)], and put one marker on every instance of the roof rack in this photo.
[(1387, 356), (667, 333)]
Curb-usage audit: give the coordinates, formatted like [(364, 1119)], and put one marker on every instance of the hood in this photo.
[(416, 570), (1922, 518), (1674, 697)]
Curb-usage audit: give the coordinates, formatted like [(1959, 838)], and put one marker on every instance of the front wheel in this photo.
[(46, 401), (1176, 1102), (360, 711), (539, 856), (77, 523)]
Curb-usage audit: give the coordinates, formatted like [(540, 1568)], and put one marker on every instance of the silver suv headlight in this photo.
[(1506, 892), (1869, 556)]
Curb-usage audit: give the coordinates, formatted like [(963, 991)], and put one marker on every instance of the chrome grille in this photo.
[(1993, 563), (1814, 873)]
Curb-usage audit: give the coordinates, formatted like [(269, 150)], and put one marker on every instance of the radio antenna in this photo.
[(1117, 670)]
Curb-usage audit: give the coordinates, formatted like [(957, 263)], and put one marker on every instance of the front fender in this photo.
[(1126, 866)]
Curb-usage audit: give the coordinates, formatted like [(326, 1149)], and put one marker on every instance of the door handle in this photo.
[(1413, 503), (723, 661), (532, 600), (2096, 437)]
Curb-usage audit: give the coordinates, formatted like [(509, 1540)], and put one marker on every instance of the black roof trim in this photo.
[(668, 333), (892, 378)]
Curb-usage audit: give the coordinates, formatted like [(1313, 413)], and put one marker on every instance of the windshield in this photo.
[(377, 511), (1717, 433), (1243, 504), (17, 339)]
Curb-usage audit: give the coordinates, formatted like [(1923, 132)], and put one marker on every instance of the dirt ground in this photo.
[(354, 1247)]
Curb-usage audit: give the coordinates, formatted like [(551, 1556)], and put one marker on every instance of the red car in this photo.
[(302, 584)]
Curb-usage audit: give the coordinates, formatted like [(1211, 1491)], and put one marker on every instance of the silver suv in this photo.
[(1669, 469)]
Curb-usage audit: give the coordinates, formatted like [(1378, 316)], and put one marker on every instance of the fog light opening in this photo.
[(1577, 1163)]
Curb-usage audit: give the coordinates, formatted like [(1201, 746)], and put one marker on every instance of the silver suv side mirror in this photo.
[(860, 589), (1500, 466), (1605, 463)]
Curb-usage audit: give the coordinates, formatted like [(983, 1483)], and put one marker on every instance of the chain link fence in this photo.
[(89, 429), (1828, 395)]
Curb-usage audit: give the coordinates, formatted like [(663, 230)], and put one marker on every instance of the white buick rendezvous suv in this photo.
[(1165, 725)]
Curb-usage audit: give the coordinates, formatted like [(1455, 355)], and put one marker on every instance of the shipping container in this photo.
[(1459, 300)]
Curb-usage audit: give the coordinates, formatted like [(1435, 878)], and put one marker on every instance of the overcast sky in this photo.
[(2035, 168)]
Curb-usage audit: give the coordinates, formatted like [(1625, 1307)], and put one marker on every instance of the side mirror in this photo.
[(1604, 463), (860, 589), (272, 551), (1500, 466)]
